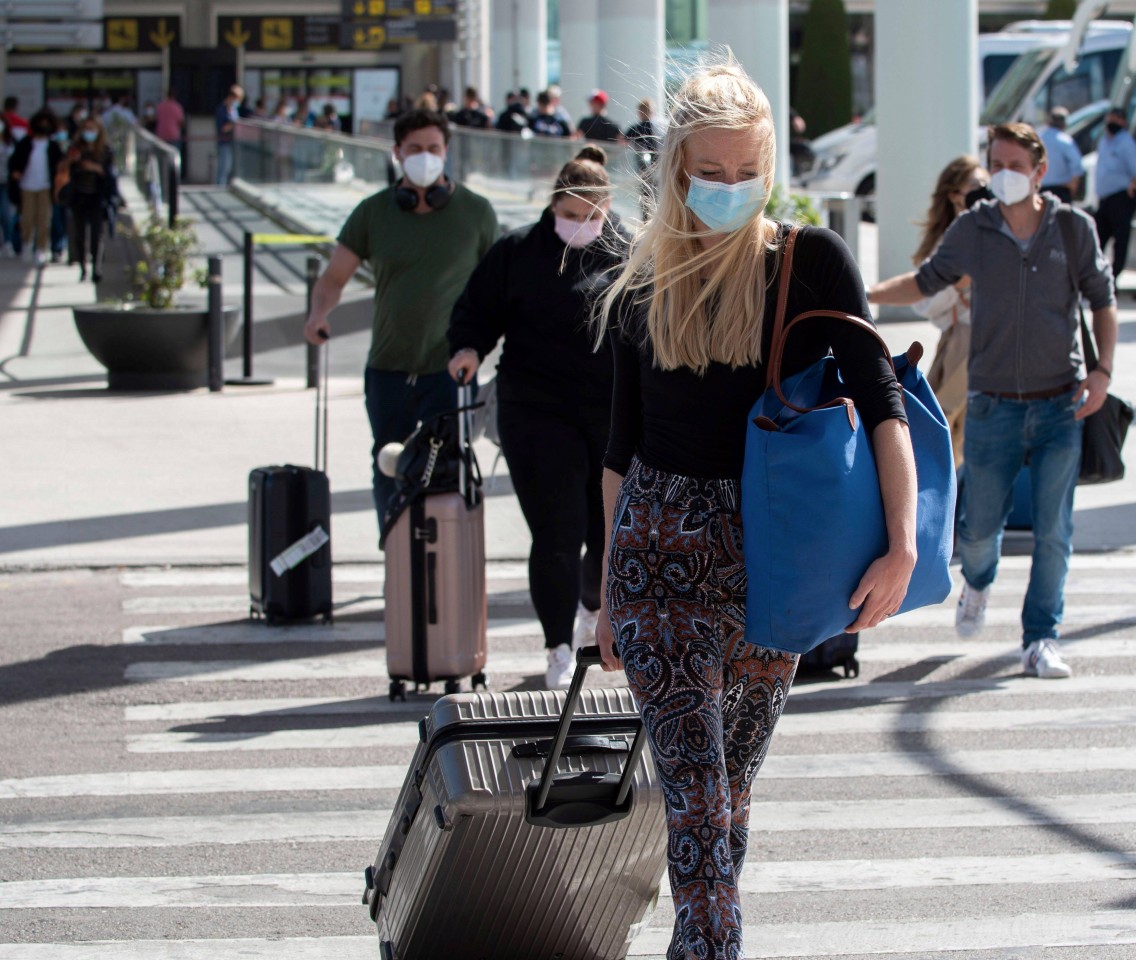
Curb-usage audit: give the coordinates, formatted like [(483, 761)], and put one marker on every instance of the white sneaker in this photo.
[(1042, 658), (585, 634), (41, 258), (970, 615), (561, 666)]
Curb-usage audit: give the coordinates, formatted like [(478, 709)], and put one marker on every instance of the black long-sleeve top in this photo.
[(537, 294), (691, 425), (87, 183)]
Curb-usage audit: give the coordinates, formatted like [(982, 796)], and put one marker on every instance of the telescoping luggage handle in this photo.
[(321, 408), (585, 799), (465, 441)]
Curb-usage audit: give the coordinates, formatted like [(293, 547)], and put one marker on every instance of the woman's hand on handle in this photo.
[(463, 365), (605, 638)]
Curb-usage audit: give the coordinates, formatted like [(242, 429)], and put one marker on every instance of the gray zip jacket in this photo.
[(1023, 308)]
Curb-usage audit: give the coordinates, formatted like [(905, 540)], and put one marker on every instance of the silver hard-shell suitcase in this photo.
[(492, 852)]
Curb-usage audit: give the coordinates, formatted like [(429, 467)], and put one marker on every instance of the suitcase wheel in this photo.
[(397, 690), (851, 667), (479, 681), (453, 686)]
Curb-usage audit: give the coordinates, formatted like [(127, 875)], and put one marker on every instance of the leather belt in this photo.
[(1032, 394)]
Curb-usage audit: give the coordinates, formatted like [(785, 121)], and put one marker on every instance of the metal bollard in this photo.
[(312, 275), (216, 328)]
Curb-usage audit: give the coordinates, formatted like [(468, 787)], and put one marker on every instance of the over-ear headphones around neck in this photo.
[(437, 196)]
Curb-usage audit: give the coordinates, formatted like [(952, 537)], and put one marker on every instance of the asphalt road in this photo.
[(176, 781)]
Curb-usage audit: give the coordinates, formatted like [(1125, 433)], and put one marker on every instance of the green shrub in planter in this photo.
[(166, 250), (796, 208)]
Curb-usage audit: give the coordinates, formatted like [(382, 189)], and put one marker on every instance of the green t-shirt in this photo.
[(421, 263)]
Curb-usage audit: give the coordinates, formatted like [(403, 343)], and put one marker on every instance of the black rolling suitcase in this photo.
[(290, 533), (836, 652), (530, 827)]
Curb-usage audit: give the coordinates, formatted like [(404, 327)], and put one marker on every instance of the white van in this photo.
[(845, 159)]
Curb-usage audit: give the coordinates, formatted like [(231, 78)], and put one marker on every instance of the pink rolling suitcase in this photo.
[(435, 580)]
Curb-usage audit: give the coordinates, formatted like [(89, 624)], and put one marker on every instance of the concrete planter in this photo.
[(147, 349)]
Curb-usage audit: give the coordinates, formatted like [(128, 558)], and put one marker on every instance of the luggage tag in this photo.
[(299, 551)]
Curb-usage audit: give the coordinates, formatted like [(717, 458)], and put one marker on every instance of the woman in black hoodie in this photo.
[(92, 185), (535, 287)]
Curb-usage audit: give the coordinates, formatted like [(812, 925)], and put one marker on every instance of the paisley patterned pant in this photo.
[(676, 594)]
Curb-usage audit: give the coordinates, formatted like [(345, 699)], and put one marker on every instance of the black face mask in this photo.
[(1114, 128), (977, 195)]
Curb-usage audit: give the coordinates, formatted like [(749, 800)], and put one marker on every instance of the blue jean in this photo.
[(224, 163), (59, 231), (1001, 435), (8, 231), (396, 402)]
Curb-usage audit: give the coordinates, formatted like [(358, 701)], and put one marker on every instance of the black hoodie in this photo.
[(520, 291)]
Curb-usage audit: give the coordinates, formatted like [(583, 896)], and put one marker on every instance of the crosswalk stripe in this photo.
[(800, 876), (919, 937), (256, 632), (289, 948), (333, 666), (330, 889), (191, 782), (763, 942), (253, 632), (876, 648), (340, 573), (390, 776), (974, 691), (992, 688), (333, 738), (943, 615), (413, 707), (956, 813), (371, 664), (315, 826), (183, 893), (884, 719)]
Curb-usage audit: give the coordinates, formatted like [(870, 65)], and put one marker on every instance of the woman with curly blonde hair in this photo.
[(949, 309), (690, 321)]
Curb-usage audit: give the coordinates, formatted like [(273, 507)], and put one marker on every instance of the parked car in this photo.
[(1020, 72)]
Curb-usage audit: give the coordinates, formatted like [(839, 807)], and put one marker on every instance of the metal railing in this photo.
[(516, 172), (267, 152), (523, 168), (154, 164)]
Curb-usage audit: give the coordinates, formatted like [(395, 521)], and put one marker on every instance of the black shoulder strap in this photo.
[(1069, 242)]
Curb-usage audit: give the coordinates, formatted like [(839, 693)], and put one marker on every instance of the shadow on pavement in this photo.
[(58, 533), (34, 384), (921, 748)]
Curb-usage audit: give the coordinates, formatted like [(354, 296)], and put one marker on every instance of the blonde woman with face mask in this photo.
[(536, 288), (690, 324)]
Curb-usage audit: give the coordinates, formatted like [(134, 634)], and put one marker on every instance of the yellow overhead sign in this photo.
[(236, 35), (122, 33)]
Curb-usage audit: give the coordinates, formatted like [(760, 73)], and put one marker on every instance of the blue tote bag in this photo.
[(812, 514)]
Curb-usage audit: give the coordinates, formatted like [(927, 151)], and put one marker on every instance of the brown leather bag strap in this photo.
[(786, 269)]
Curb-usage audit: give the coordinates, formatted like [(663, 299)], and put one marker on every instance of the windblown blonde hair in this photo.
[(667, 262)]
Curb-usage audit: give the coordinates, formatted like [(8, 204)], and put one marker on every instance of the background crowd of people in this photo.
[(59, 184)]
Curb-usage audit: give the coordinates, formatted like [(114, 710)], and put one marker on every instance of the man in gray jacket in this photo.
[(1027, 397)]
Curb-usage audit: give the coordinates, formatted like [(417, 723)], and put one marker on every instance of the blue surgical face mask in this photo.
[(725, 207), (90, 136)]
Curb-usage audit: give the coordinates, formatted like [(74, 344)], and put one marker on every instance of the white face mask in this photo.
[(423, 169), (1010, 187), (576, 234)]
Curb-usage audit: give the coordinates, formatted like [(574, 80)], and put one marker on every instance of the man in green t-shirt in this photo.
[(422, 238)]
